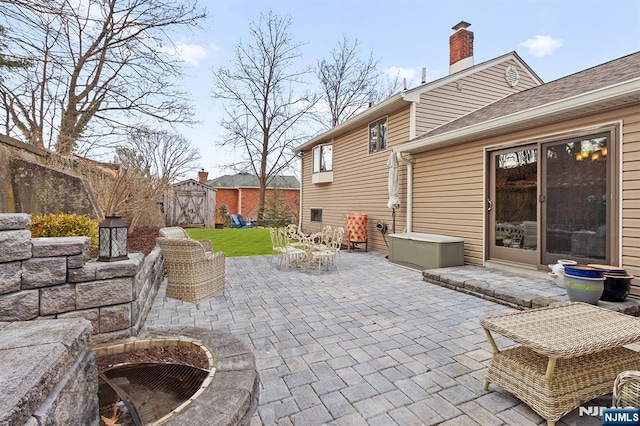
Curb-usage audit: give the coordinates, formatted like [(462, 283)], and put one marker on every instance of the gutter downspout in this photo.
[(300, 155), (409, 165)]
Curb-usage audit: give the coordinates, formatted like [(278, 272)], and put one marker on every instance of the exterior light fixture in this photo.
[(112, 239)]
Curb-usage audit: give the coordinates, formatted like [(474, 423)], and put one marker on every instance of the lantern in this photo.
[(112, 239)]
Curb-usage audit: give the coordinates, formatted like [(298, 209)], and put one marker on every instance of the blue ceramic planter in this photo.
[(581, 289)]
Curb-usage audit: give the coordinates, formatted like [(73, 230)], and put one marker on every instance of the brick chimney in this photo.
[(460, 48), (202, 176)]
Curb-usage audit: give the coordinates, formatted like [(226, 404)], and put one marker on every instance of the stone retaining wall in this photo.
[(55, 278), (48, 374)]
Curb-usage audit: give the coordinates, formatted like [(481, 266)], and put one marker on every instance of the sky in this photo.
[(555, 38)]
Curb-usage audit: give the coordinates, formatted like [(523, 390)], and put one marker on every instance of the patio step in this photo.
[(513, 289)]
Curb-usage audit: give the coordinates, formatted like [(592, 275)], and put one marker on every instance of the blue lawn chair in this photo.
[(239, 222)]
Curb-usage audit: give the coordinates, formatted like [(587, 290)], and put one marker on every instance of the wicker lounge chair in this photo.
[(179, 233), (626, 389), (194, 275)]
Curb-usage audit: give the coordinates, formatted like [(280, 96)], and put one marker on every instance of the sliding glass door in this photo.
[(554, 199), (513, 205), (575, 199)]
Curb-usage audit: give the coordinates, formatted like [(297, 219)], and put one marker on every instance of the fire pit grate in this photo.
[(149, 391)]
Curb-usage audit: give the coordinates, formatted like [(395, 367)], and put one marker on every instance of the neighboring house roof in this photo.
[(192, 181), (396, 101), (247, 180), (605, 86)]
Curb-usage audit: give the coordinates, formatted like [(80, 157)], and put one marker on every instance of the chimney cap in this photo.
[(460, 25)]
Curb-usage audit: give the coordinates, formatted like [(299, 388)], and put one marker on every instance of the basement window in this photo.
[(316, 215)]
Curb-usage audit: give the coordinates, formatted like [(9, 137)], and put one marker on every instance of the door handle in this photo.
[(542, 198), (490, 205)]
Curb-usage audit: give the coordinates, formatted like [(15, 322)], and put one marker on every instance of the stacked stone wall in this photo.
[(48, 373), (55, 278)]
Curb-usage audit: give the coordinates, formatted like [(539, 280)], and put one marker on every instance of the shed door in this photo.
[(189, 208)]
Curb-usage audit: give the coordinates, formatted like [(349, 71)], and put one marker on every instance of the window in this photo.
[(323, 158), (378, 135), (322, 164), (316, 215)]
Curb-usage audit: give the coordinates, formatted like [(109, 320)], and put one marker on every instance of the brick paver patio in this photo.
[(372, 344)]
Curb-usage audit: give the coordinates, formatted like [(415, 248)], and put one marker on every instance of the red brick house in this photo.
[(241, 193)]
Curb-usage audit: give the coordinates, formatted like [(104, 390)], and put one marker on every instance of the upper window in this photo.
[(323, 158), (378, 135)]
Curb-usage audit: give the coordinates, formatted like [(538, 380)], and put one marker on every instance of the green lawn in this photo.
[(235, 242)]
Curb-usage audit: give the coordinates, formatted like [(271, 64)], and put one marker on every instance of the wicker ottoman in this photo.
[(575, 381)]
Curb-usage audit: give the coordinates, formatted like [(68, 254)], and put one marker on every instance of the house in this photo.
[(344, 170), (548, 173), (240, 194)]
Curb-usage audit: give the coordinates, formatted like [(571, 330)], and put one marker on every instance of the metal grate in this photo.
[(149, 391)]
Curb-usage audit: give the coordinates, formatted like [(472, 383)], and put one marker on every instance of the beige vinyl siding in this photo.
[(447, 200), (451, 101), (631, 193), (359, 182), (449, 185)]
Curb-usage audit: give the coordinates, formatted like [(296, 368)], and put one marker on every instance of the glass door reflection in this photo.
[(575, 194), (513, 205)]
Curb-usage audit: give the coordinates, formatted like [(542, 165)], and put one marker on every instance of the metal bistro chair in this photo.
[(327, 252), (290, 254)]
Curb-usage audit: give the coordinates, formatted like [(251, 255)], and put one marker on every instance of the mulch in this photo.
[(143, 239), (190, 355)]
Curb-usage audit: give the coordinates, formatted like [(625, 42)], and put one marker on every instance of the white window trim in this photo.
[(386, 146), (320, 176)]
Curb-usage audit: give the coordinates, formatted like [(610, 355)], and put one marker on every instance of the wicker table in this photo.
[(568, 355)]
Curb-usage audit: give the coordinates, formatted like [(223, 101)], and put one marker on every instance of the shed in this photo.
[(189, 204)]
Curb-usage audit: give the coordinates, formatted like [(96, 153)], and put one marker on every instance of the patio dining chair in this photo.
[(193, 274), (281, 247), (295, 236), (326, 253)]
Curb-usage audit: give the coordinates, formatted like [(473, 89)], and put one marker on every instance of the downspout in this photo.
[(409, 165), (300, 155)]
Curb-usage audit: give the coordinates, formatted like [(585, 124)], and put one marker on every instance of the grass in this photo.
[(235, 242)]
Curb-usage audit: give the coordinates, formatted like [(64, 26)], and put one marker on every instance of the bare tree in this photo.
[(348, 82), (96, 69), (264, 113), (149, 161), (159, 153)]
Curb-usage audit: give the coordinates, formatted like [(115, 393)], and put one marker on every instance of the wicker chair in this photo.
[(194, 275), (626, 389), (178, 233)]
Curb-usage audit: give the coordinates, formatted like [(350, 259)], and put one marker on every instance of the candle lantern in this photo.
[(112, 239)]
